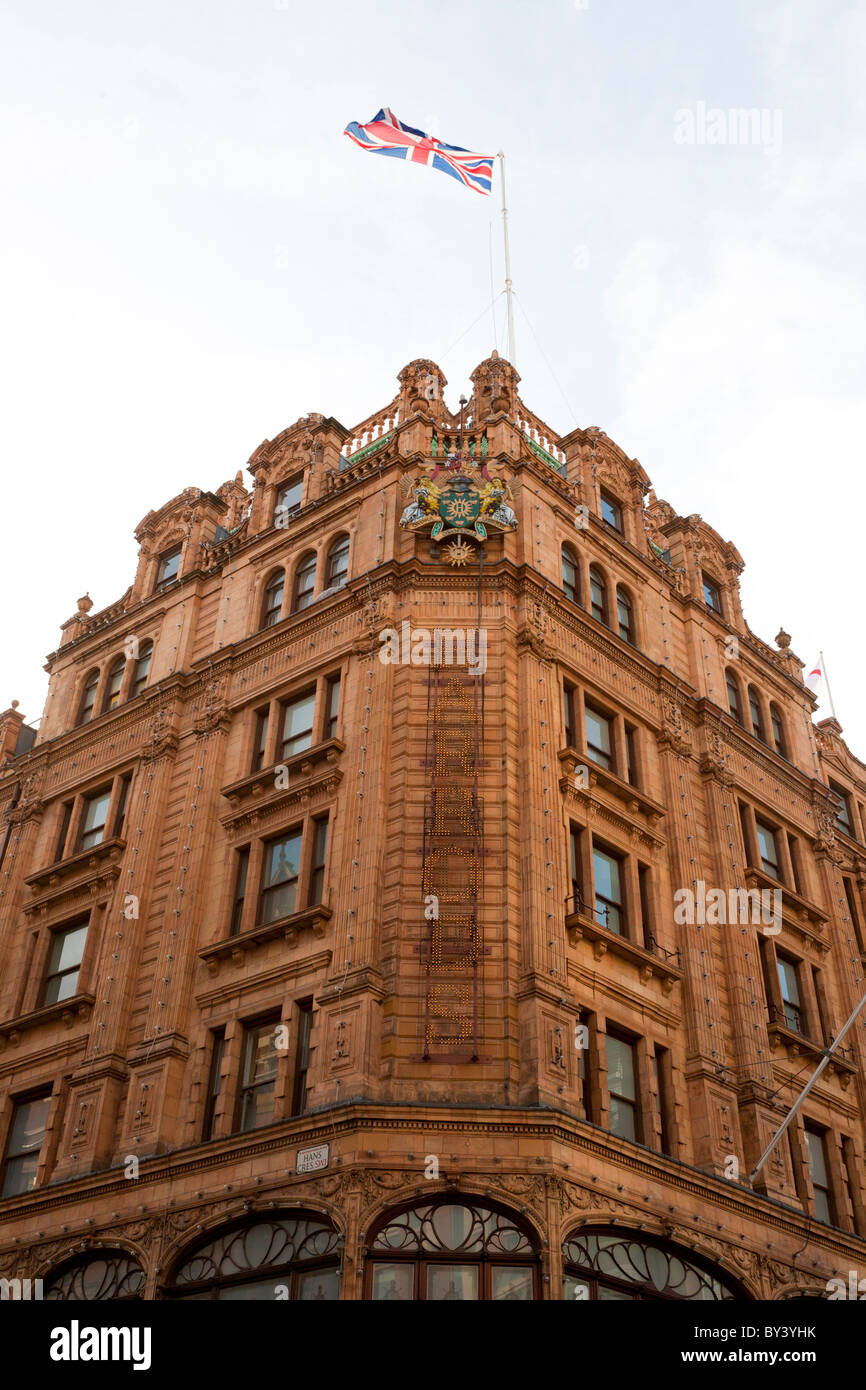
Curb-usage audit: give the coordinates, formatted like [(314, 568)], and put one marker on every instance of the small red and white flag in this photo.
[(815, 676)]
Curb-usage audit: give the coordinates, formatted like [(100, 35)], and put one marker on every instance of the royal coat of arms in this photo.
[(458, 506)]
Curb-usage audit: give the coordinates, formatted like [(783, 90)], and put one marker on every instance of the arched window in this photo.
[(272, 604), (97, 1275), (734, 706), (597, 594), (452, 1250), (115, 681), (338, 563), (305, 582), (625, 615), (88, 698), (612, 1265), (570, 574), (295, 1255), (755, 714), (778, 727), (142, 668)]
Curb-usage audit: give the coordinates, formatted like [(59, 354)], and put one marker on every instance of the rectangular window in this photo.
[(167, 571), (843, 809), (569, 722), (644, 885), (93, 822), (769, 848), (611, 511), (65, 818), (243, 864), (332, 707), (817, 1150), (26, 1135), (122, 800), (288, 500), (826, 1031), (583, 1069), (214, 1081), (302, 1063), (280, 877), (317, 866), (608, 890), (297, 732), (853, 911), (852, 1179), (712, 595), (598, 737), (259, 1077), (631, 756), (260, 740), (796, 863), (790, 991), (660, 1065), (621, 1086), (574, 867), (64, 962)]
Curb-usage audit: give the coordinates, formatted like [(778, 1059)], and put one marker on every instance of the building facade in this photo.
[(423, 884)]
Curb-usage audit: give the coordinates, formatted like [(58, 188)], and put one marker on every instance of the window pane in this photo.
[(93, 825), (788, 982), (28, 1126), (67, 949), (620, 1068), (393, 1282), (606, 870), (610, 512), (298, 725), (320, 1285), (169, 566), (511, 1283), (457, 1283), (281, 860), (767, 845), (338, 562), (622, 1118), (289, 497), (817, 1159), (598, 737)]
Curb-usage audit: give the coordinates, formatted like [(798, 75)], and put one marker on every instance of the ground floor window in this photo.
[(450, 1250), (614, 1265), (284, 1257)]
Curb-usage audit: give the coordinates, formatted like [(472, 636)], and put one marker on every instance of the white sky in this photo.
[(193, 256)]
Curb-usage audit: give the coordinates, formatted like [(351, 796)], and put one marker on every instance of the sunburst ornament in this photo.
[(458, 553)]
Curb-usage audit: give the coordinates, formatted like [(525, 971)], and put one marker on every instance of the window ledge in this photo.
[(235, 948), (53, 874), (77, 1007), (797, 1044), (581, 926), (299, 764), (801, 914), (632, 798)]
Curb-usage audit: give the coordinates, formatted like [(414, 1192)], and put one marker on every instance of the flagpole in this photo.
[(827, 683), (501, 157)]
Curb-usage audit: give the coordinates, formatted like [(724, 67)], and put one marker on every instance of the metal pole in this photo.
[(828, 1053), (501, 157), (827, 683)]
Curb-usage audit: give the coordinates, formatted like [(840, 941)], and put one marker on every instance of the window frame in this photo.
[(607, 500), (272, 610), (164, 581), (570, 586), (711, 591), (10, 1156), (306, 568)]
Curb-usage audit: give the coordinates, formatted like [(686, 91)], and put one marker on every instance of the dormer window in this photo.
[(169, 564), (288, 500), (611, 511), (712, 595)]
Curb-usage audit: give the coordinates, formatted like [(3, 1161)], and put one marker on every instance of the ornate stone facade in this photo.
[(231, 791)]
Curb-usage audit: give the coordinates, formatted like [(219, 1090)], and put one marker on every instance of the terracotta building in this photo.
[(423, 884)]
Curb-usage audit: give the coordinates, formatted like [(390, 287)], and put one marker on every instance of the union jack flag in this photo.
[(386, 135)]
